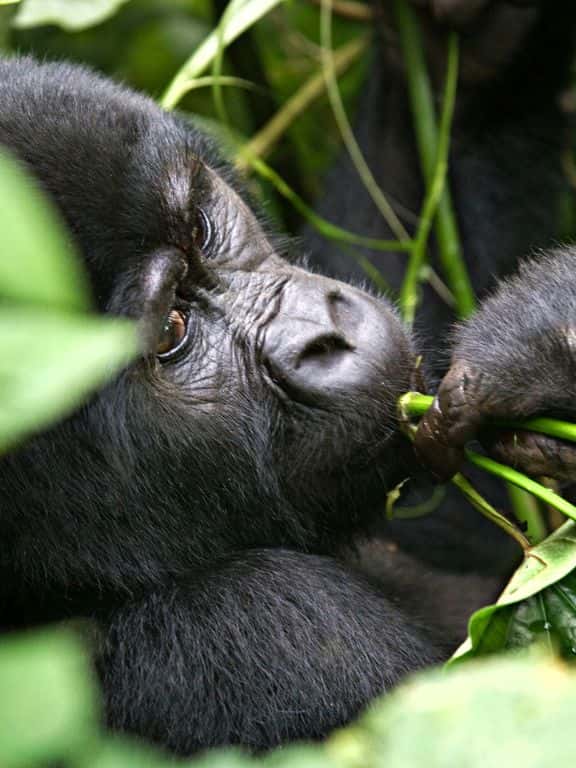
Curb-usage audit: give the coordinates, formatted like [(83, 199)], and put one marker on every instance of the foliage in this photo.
[(506, 711), (53, 351), (50, 712), (538, 604), (72, 16)]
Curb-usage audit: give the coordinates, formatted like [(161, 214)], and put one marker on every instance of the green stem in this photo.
[(547, 495), (527, 510), (322, 225), (480, 503), (362, 168), (261, 144), (244, 18), (422, 104), (563, 430), (416, 404), (465, 487), (218, 63), (224, 80), (409, 294)]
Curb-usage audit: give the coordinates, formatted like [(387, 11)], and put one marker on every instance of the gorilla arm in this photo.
[(269, 647), (516, 358)]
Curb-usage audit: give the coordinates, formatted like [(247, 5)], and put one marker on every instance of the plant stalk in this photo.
[(422, 105)]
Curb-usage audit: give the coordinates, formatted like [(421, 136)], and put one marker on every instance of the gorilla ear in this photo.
[(163, 272)]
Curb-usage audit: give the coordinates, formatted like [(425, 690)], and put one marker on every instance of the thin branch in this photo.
[(364, 172), (409, 293), (416, 404), (250, 12), (262, 142), (486, 509), (322, 225), (547, 495), (422, 103)]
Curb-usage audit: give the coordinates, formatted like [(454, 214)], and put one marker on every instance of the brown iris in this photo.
[(173, 332)]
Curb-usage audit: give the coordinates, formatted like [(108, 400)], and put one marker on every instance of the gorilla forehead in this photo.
[(105, 154)]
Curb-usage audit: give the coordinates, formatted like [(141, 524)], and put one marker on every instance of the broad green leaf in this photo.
[(48, 702), (49, 362), (37, 263), (122, 753), (68, 14), (506, 711), (297, 756), (117, 752), (539, 603), (226, 758)]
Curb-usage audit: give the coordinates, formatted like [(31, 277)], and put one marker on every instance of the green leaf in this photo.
[(506, 711), (38, 265), (296, 756), (48, 707), (117, 752), (539, 603), (69, 14), (49, 362), (243, 16)]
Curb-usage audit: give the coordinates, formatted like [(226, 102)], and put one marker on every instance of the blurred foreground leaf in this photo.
[(503, 712), (507, 711), (538, 604), (37, 262), (49, 362), (123, 753), (48, 702), (68, 14), (52, 352)]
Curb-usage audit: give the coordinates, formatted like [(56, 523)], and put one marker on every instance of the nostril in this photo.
[(345, 314), (327, 345)]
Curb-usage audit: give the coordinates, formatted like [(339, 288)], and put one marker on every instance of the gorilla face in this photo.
[(262, 411)]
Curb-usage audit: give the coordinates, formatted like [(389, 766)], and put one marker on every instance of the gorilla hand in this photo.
[(515, 359)]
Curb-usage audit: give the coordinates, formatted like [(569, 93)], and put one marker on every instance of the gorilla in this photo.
[(217, 510)]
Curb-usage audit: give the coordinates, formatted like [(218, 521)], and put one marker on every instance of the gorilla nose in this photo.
[(329, 338)]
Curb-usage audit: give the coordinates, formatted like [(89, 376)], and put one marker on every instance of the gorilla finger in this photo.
[(533, 453), (452, 420), (433, 447)]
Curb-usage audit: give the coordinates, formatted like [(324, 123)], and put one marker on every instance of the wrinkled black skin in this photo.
[(200, 508)]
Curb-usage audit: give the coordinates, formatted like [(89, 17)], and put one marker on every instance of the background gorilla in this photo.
[(202, 508), (507, 182)]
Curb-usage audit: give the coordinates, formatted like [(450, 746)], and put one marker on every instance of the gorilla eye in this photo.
[(201, 231), (173, 334)]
